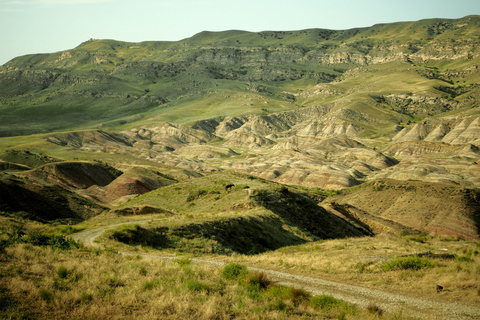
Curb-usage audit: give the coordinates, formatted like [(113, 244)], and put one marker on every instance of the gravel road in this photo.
[(423, 308)]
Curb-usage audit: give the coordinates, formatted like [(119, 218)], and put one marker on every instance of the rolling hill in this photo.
[(109, 123)]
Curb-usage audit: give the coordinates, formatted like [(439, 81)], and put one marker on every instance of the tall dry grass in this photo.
[(44, 283), (359, 261)]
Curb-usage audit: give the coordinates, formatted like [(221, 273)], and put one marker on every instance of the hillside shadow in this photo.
[(296, 220), (304, 213), (244, 235), (44, 203)]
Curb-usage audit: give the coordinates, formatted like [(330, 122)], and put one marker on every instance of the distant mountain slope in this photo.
[(392, 72)]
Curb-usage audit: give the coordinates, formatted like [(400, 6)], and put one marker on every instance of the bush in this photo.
[(59, 242), (62, 272), (279, 305), (258, 279), (299, 296), (150, 284), (235, 271), (45, 295), (195, 285), (327, 303), (86, 297), (419, 239), (404, 263), (374, 309), (183, 261), (194, 195)]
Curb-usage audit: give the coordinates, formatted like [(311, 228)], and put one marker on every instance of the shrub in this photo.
[(404, 263), (467, 257), (45, 295), (374, 309), (6, 299), (183, 261), (279, 305), (69, 229), (59, 242), (326, 302), (86, 297), (194, 195), (419, 239), (234, 271), (258, 279), (62, 272), (195, 285), (299, 296), (148, 285)]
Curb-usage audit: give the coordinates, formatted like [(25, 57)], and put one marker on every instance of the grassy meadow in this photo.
[(41, 279), (52, 277)]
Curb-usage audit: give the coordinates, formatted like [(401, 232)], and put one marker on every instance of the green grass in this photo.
[(406, 263), (234, 271)]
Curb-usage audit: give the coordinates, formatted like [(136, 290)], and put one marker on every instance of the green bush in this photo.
[(405, 263), (62, 272), (59, 242), (183, 261), (195, 285), (148, 285), (235, 271), (194, 195), (466, 258), (279, 305), (327, 303), (419, 239)]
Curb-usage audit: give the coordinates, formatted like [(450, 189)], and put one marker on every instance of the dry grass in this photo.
[(41, 282), (359, 261), (44, 283)]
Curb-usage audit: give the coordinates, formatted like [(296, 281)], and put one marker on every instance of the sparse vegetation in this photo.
[(405, 263)]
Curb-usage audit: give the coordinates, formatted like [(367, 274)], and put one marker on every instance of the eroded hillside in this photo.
[(317, 109)]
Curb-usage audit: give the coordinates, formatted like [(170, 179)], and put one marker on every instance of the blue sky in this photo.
[(43, 26)]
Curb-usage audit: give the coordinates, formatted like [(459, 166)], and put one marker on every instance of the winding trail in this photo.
[(393, 303)]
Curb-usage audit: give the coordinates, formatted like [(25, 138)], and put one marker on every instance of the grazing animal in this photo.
[(229, 186), (439, 288)]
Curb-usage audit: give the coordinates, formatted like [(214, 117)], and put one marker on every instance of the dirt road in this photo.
[(398, 304)]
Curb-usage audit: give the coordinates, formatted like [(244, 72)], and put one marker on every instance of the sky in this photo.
[(45, 26)]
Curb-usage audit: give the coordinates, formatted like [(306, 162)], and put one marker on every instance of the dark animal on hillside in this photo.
[(439, 288), (229, 186)]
